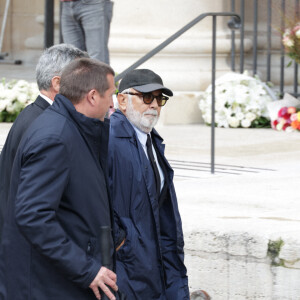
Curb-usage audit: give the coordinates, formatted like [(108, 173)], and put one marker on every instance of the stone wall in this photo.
[(239, 265)]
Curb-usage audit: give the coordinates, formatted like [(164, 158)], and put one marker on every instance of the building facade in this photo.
[(137, 27)]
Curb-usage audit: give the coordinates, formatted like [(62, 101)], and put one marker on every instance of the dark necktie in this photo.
[(153, 164)]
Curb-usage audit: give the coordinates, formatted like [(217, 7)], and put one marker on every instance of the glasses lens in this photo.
[(163, 100), (148, 98)]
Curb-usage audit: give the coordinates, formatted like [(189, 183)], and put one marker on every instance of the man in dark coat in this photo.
[(150, 261), (51, 244), (48, 71)]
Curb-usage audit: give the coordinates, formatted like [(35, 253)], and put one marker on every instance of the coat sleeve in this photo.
[(175, 270), (43, 177), (121, 204)]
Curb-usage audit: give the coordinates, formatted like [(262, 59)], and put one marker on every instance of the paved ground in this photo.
[(12, 71), (255, 181), (253, 190), (256, 176)]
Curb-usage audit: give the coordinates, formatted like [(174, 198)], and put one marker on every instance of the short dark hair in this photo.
[(82, 75)]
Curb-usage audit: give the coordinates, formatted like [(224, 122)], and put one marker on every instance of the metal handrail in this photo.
[(234, 23)]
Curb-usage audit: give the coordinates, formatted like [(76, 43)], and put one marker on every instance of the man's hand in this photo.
[(103, 278)]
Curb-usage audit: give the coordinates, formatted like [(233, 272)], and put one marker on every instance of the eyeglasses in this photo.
[(148, 98)]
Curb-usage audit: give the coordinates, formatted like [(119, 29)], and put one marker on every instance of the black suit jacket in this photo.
[(23, 121)]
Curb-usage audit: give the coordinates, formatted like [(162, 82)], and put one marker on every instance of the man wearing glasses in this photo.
[(150, 248)]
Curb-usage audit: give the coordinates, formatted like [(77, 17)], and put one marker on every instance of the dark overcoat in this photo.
[(20, 125), (58, 202), (150, 264)]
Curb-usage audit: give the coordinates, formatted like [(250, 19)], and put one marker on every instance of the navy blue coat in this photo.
[(58, 202), (150, 263), (23, 121)]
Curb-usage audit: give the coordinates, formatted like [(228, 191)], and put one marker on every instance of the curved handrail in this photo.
[(234, 23)]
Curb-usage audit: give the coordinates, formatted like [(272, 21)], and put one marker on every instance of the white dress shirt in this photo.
[(46, 98)]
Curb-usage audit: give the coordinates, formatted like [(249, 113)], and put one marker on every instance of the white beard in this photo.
[(144, 121)]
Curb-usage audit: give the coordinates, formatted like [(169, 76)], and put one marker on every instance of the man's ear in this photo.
[(122, 100), (91, 97), (55, 81)]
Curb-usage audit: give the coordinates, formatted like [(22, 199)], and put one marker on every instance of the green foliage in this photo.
[(274, 248), (261, 122), (289, 64), (8, 117)]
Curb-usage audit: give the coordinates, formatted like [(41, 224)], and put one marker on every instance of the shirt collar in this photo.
[(142, 136), (46, 98)]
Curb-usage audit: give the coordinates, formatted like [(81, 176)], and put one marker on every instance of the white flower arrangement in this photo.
[(240, 101), (14, 97)]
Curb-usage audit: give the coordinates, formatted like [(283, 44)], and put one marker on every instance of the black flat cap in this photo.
[(144, 81)]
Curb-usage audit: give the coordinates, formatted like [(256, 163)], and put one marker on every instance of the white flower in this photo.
[(288, 42), (3, 104), (15, 95), (207, 118), (240, 116), (22, 97), (20, 83), (10, 108), (11, 95), (222, 122), (246, 123), (236, 109), (203, 105), (250, 116), (233, 122), (287, 32), (237, 97), (290, 129)]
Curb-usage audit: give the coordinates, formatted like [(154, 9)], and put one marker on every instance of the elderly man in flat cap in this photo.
[(150, 258)]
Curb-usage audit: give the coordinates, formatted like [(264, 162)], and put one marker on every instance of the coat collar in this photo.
[(123, 129), (41, 102), (89, 126), (94, 131)]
